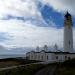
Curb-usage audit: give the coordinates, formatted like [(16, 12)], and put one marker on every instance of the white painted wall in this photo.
[(49, 57), (68, 39)]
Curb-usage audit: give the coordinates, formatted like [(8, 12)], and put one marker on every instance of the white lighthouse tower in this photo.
[(68, 33)]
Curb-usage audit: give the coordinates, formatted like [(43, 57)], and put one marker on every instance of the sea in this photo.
[(4, 56)]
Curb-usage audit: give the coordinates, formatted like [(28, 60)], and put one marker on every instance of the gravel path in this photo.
[(47, 71)]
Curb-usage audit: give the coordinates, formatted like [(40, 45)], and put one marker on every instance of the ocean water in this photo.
[(11, 56)]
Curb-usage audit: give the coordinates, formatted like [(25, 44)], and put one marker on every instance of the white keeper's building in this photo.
[(57, 56)]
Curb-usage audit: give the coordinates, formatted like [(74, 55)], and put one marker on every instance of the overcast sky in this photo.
[(31, 23)]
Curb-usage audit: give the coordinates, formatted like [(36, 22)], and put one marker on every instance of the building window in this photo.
[(56, 57), (42, 57), (69, 58), (47, 57), (39, 57), (65, 57), (35, 57), (32, 57)]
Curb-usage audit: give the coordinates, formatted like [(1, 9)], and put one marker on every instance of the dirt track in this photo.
[(47, 71)]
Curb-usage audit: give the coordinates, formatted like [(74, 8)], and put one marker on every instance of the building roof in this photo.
[(51, 52)]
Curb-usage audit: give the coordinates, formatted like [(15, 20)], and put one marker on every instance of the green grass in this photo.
[(26, 70), (30, 69), (66, 68), (14, 62)]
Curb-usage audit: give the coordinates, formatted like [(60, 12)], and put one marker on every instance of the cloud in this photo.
[(31, 31), (18, 8), (61, 5), (26, 34)]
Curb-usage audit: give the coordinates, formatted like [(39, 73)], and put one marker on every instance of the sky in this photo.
[(31, 23)]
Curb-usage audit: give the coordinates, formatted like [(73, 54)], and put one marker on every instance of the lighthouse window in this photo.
[(69, 42)]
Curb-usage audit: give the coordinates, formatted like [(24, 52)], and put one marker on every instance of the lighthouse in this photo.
[(68, 33)]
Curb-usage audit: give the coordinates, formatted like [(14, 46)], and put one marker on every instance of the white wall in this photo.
[(42, 56), (68, 37)]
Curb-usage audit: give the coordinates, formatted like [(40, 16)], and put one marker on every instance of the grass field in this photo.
[(25, 70), (66, 68), (14, 62)]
